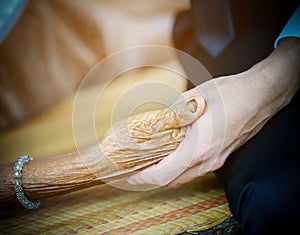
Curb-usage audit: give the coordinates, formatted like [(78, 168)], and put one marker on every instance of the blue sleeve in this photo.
[(10, 11), (292, 28)]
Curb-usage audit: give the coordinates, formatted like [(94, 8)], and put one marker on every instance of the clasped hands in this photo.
[(223, 127)]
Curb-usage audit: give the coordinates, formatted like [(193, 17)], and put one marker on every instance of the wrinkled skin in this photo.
[(146, 138)]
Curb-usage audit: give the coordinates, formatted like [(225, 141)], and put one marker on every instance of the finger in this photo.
[(190, 110), (186, 177), (180, 114), (170, 167), (207, 165), (159, 174)]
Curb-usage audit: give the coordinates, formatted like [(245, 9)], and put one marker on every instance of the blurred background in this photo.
[(54, 43), (49, 51)]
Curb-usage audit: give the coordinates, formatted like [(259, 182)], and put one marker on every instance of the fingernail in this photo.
[(192, 105), (196, 106)]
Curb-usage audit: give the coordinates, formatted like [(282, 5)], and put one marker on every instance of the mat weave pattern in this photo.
[(106, 210)]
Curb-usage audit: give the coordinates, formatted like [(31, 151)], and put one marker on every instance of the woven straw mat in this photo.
[(104, 209)]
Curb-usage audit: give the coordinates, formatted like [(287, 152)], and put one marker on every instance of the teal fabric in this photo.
[(10, 11), (292, 28)]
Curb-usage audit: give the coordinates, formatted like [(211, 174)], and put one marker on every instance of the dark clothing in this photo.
[(262, 178), (256, 26)]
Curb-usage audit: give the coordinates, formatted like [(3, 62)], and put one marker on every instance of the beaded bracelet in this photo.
[(18, 185)]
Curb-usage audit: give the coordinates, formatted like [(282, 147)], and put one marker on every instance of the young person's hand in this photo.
[(237, 108)]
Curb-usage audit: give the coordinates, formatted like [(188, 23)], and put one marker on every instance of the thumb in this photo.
[(181, 114), (190, 110)]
